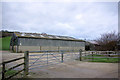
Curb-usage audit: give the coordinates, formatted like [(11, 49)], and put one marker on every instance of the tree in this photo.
[(107, 41)]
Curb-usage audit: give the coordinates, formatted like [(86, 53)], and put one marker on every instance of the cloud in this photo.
[(78, 16), (78, 19)]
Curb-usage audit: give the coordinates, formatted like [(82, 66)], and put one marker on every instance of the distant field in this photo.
[(5, 41)]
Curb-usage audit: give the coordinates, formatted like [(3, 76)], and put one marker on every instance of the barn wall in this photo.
[(28, 48), (44, 44), (38, 48)]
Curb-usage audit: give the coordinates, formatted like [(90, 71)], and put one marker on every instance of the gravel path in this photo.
[(77, 69)]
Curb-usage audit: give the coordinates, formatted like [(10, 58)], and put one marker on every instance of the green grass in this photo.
[(11, 72), (104, 59), (5, 42), (8, 73)]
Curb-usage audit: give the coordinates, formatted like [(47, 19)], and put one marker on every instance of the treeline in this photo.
[(5, 33), (108, 41)]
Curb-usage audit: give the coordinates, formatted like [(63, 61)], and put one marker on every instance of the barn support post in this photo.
[(80, 55), (58, 48), (12, 46), (17, 49), (62, 56), (26, 63), (17, 45), (40, 48)]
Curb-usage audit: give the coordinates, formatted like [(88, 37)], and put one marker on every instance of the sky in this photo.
[(82, 20)]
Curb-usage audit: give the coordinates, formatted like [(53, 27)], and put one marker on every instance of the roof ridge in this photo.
[(43, 34), (46, 36)]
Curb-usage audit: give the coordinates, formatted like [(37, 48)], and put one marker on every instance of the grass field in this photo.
[(103, 59), (5, 41)]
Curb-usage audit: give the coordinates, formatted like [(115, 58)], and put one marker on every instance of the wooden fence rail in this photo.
[(86, 55), (26, 63), (5, 70)]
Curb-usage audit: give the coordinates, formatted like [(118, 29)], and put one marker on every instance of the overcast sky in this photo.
[(83, 20)]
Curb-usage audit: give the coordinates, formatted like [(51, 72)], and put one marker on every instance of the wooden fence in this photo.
[(5, 70), (26, 63), (82, 54), (91, 55)]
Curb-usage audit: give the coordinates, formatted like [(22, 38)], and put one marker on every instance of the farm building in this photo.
[(90, 45), (21, 42)]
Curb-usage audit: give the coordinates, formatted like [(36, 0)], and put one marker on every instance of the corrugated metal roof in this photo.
[(44, 35)]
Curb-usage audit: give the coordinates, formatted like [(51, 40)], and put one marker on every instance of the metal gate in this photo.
[(38, 59)]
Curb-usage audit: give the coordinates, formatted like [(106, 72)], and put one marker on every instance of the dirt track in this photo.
[(73, 69), (77, 69)]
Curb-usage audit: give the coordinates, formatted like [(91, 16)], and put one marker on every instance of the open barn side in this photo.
[(30, 43)]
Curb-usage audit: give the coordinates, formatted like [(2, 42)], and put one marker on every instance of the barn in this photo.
[(21, 42)]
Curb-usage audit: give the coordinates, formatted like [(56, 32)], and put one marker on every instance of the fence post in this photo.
[(108, 55), (3, 71), (92, 56), (80, 53), (47, 58), (62, 56), (26, 65)]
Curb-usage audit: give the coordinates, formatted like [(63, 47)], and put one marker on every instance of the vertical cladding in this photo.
[(46, 42), (37, 48)]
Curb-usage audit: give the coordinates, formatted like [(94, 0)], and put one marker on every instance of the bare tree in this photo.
[(107, 41)]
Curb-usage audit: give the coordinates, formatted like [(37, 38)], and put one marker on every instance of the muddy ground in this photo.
[(70, 69)]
